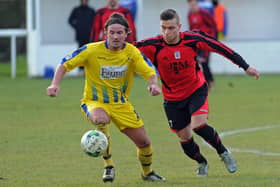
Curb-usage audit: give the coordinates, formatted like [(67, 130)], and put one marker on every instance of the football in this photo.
[(94, 143)]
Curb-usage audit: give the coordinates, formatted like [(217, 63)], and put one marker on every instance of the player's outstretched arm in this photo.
[(253, 72), (153, 87), (54, 88)]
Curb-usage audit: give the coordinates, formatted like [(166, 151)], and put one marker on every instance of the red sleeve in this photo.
[(148, 50), (96, 27), (128, 16), (207, 43)]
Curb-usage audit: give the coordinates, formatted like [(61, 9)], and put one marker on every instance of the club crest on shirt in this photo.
[(112, 72), (177, 54)]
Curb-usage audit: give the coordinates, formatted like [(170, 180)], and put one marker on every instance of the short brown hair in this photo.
[(117, 18), (169, 14)]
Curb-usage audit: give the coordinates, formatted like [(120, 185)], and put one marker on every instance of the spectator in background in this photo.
[(103, 14), (200, 19), (220, 17), (81, 19), (206, 5), (131, 5)]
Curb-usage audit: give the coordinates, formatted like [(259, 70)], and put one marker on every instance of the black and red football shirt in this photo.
[(177, 66)]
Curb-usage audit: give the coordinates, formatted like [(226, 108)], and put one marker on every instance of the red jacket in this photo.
[(203, 21), (102, 16)]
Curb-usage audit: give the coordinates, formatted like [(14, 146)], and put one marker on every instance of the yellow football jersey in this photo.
[(108, 74)]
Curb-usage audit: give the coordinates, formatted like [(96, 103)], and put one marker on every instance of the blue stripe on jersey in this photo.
[(105, 95), (106, 44), (149, 62), (124, 87), (137, 115), (85, 109), (115, 93), (75, 53), (123, 90), (122, 99), (94, 93)]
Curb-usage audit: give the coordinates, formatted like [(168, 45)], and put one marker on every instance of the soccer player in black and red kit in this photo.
[(184, 87)]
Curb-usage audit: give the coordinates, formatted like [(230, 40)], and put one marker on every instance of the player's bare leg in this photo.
[(144, 152), (101, 119)]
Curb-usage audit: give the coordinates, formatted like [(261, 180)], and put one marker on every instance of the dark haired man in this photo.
[(184, 87), (109, 70)]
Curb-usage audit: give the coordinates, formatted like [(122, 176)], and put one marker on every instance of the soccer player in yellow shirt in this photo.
[(109, 69)]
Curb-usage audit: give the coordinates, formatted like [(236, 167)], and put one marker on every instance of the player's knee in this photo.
[(185, 134), (99, 116), (198, 125), (185, 138), (143, 143), (198, 120), (100, 120)]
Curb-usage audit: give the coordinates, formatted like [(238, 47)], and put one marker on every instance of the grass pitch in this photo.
[(40, 136)]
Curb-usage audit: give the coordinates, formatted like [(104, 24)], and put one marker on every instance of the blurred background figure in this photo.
[(220, 17), (206, 5), (81, 19), (103, 14), (200, 19), (131, 5)]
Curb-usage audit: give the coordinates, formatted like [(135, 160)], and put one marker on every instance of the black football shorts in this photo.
[(179, 113)]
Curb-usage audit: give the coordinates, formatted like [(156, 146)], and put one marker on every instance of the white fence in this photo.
[(13, 34)]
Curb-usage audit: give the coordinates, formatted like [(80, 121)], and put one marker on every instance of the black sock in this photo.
[(192, 150), (211, 136)]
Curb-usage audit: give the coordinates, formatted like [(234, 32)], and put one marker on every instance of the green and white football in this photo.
[(94, 143)]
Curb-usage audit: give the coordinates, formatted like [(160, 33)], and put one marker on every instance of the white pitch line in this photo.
[(248, 130), (254, 151), (254, 129)]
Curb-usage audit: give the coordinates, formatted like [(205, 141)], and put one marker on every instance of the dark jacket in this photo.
[(81, 20)]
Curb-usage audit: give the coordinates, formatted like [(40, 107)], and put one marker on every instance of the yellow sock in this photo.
[(108, 161), (145, 155)]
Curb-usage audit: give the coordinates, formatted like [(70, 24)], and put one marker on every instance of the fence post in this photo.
[(13, 56)]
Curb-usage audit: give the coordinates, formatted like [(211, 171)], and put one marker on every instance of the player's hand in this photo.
[(53, 90), (154, 89), (253, 72)]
